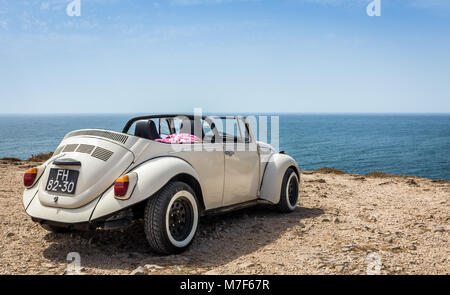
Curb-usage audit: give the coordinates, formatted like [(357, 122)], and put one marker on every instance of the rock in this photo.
[(153, 266), (419, 224), (211, 272), (138, 271), (390, 240), (340, 268), (396, 249), (438, 229), (412, 182), (325, 220), (247, 264), (336, 220), (48, 265), (10, 234), (373, 218)]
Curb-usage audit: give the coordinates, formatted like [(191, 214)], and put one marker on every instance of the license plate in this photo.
[(62, 181)]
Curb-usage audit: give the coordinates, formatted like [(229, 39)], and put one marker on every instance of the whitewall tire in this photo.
[(171, 218)]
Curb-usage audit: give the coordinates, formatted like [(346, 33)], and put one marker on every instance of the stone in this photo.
[(48, 265), (247, 264), (153, 266), (138, 271), (411, 182), (438, 229)]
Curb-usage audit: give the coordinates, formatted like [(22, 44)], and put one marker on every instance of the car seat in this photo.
[(147, 129)]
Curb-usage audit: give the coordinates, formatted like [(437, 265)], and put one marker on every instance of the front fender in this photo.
[(151, 177), (273, 176)]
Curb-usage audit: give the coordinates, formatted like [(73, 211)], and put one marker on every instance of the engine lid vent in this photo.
[(102, 154), (85, 148), (70, 148), (122, 138)]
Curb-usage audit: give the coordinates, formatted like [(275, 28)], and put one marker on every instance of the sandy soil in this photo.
[(343, 224)]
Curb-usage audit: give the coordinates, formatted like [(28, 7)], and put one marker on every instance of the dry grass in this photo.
[(40, 157), (10, 160), (380, 174), (327, 170)]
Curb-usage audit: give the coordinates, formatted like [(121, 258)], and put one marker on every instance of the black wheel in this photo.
[(289, 192), (55, 229), (171, 218)]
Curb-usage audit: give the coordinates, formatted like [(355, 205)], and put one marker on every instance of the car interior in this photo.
[(159, 128)]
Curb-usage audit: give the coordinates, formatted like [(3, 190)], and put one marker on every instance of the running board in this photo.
[(234, 207)]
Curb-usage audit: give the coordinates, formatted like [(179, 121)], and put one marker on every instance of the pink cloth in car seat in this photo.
[(180, 138)]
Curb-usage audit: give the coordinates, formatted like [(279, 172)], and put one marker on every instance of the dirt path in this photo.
[(343, 223)]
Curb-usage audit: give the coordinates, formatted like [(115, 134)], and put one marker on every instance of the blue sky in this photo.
[(224, 56)]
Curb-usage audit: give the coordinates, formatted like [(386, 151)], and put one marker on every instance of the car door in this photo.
[(207, 158), (241, 181)]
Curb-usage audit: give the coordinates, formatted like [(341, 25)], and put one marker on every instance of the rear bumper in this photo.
[(39, 211), (89, 226), (77, 218), (83, 226)]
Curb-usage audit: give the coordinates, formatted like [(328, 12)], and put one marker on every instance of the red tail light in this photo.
[(121, 186), (29, 177)]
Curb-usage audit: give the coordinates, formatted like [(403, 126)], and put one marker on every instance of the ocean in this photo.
[(406, 144)]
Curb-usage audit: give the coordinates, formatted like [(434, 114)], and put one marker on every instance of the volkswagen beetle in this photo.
[(165, 169)]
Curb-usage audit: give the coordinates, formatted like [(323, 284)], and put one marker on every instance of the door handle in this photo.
[(229, 153)]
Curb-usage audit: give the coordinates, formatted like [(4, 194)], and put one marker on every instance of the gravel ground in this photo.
[(344, 224)]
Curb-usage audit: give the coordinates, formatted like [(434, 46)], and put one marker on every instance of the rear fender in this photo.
[(273, 176), (151, 177)]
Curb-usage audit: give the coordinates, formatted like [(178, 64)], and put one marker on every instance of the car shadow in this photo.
[(220, 239)]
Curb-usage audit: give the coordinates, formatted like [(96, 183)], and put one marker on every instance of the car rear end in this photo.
[(66, 189)]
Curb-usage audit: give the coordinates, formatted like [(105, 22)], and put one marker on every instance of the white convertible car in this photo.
[(169, 172)]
